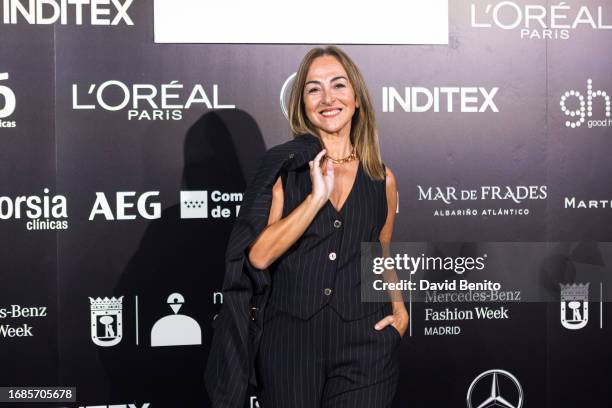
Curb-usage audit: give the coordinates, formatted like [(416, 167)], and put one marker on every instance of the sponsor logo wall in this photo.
[(123, 164)]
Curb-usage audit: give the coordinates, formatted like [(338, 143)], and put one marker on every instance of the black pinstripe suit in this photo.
[(306, 279), (319, 346)]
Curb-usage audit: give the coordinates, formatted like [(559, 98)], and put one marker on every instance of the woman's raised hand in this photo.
[(322, 180)]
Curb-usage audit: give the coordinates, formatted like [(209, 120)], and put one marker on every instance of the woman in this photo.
[(321, 346)]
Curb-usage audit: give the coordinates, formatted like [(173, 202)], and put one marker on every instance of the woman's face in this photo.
[(329, 98)]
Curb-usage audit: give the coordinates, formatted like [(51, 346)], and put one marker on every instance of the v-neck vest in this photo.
[(324, 265)]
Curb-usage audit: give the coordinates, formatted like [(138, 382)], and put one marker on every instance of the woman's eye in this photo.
[(312, 90), (340, 86)]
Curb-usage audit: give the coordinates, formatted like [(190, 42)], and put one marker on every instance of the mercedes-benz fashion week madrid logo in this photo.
[(574, 305), (106, 321), (508, 396), (176, 329)]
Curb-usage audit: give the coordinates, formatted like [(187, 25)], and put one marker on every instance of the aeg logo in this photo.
[(585, 109), (123, 204), (7, 103)]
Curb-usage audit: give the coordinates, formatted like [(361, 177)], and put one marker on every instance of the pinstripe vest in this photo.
[(323, 266)]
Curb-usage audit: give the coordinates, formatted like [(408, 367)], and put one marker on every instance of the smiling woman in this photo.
[(320, 345)]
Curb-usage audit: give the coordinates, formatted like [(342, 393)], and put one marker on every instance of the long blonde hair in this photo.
[(364, 134)]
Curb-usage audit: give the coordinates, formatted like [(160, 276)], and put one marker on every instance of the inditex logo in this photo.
[(77, 12), (536, 21), (195, 204), (439, 99), (7, 103), (43, 212), (579, 109), (146, 101)]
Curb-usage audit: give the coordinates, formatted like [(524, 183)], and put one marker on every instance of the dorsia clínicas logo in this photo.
[(574, 305), (8, 102), (596, 105), (73, 12), (554, 21), (42, 212), (156, 102)]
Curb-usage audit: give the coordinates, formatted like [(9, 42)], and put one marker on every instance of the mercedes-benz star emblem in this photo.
[(495, 398), (284, 97)]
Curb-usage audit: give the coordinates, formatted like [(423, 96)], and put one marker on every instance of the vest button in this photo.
[(337, 223), (327, 291), (332, 256)]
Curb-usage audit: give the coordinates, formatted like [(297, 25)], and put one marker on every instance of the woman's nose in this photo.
[(328, 97)]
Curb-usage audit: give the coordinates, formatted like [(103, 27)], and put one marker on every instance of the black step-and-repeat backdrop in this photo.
[(123, 162)]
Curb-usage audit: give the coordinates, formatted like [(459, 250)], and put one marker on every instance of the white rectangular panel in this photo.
[(302, 22)]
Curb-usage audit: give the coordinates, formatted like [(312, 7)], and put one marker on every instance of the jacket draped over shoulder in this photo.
[(236, 335)]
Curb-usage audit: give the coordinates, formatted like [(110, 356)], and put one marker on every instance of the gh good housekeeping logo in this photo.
[(153, 102), (515, 196), (7, 103), (74, 12), (596, 105), (539, 22)]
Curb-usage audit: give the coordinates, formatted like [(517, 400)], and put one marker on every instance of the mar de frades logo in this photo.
[(486, 392), (77, 12), (155, 102), (539, 22), (8, 102), (574, 305), (596, 106), (502, 200)]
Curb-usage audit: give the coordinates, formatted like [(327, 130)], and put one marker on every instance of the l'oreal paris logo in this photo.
[(146, 101), (45, 12), (535, 21)]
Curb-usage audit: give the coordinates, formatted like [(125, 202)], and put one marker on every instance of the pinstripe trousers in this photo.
[(326, 362)]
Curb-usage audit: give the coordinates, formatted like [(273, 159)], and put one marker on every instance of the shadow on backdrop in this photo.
[(185, 257)]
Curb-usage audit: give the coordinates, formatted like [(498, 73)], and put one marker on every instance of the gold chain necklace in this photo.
[(348, 158)]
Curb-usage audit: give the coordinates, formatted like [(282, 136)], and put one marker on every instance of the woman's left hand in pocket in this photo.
[(399, 320)]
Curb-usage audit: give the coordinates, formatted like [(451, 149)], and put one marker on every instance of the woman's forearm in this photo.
[(276, 238)]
